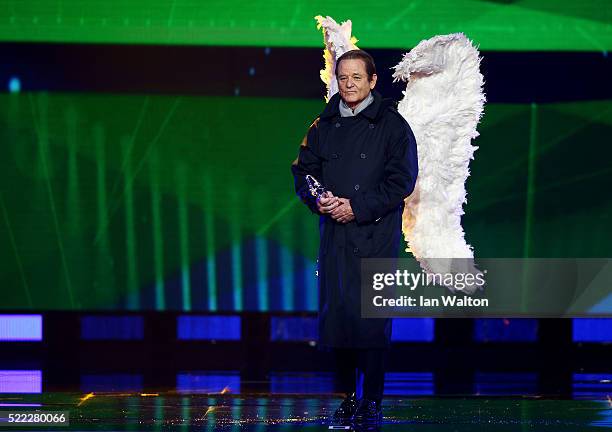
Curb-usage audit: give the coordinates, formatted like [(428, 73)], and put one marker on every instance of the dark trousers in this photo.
[(361, 369)]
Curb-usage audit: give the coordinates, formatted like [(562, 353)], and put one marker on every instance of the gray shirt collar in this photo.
[(345, 111)]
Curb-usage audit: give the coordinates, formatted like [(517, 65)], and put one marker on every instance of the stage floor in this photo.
[(173, 411), (288, 401)]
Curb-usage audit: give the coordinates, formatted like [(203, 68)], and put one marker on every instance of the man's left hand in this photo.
[(344, 212)]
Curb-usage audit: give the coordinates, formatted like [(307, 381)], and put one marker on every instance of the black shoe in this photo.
[(368, 413), (345, 411)]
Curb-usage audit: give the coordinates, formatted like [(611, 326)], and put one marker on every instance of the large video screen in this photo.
[(526, 25), (146, 146), (158, 202)]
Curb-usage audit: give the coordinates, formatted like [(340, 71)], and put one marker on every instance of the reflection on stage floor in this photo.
[(205, 401)]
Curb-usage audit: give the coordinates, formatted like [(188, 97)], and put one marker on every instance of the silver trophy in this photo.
[(316, 188)]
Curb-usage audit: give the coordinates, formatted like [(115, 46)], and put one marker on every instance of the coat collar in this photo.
[(371, 112)]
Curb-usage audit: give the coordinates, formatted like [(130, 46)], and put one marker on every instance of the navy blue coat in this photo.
[(371, 159)]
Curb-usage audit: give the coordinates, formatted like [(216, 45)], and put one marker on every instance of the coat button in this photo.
[(371, 125), (356, 187), (334, 156), (362, 155), (338, 124), (356, 250)]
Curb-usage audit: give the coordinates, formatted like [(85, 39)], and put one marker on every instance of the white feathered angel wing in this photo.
[(338, 40), (443, 103)]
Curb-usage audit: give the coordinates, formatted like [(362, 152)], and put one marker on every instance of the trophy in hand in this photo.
[(316, 188)]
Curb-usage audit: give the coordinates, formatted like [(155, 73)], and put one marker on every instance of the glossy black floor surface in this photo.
[(174, 411)]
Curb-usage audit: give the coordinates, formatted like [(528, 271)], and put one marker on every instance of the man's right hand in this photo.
[(327, 203)]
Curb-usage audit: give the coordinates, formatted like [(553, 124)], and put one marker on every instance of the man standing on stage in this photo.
[(364, 153)]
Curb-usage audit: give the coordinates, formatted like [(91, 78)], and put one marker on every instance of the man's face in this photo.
[(353, 81)]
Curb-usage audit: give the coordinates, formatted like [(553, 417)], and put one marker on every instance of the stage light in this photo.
[(505, 330), (190, 327), (14, 85), (592, 330), (27, 328), (285, 329), (20, 381), (409, 383), (111, 382), (511, 383), (112, 328), (413, 330), (202, 382)]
